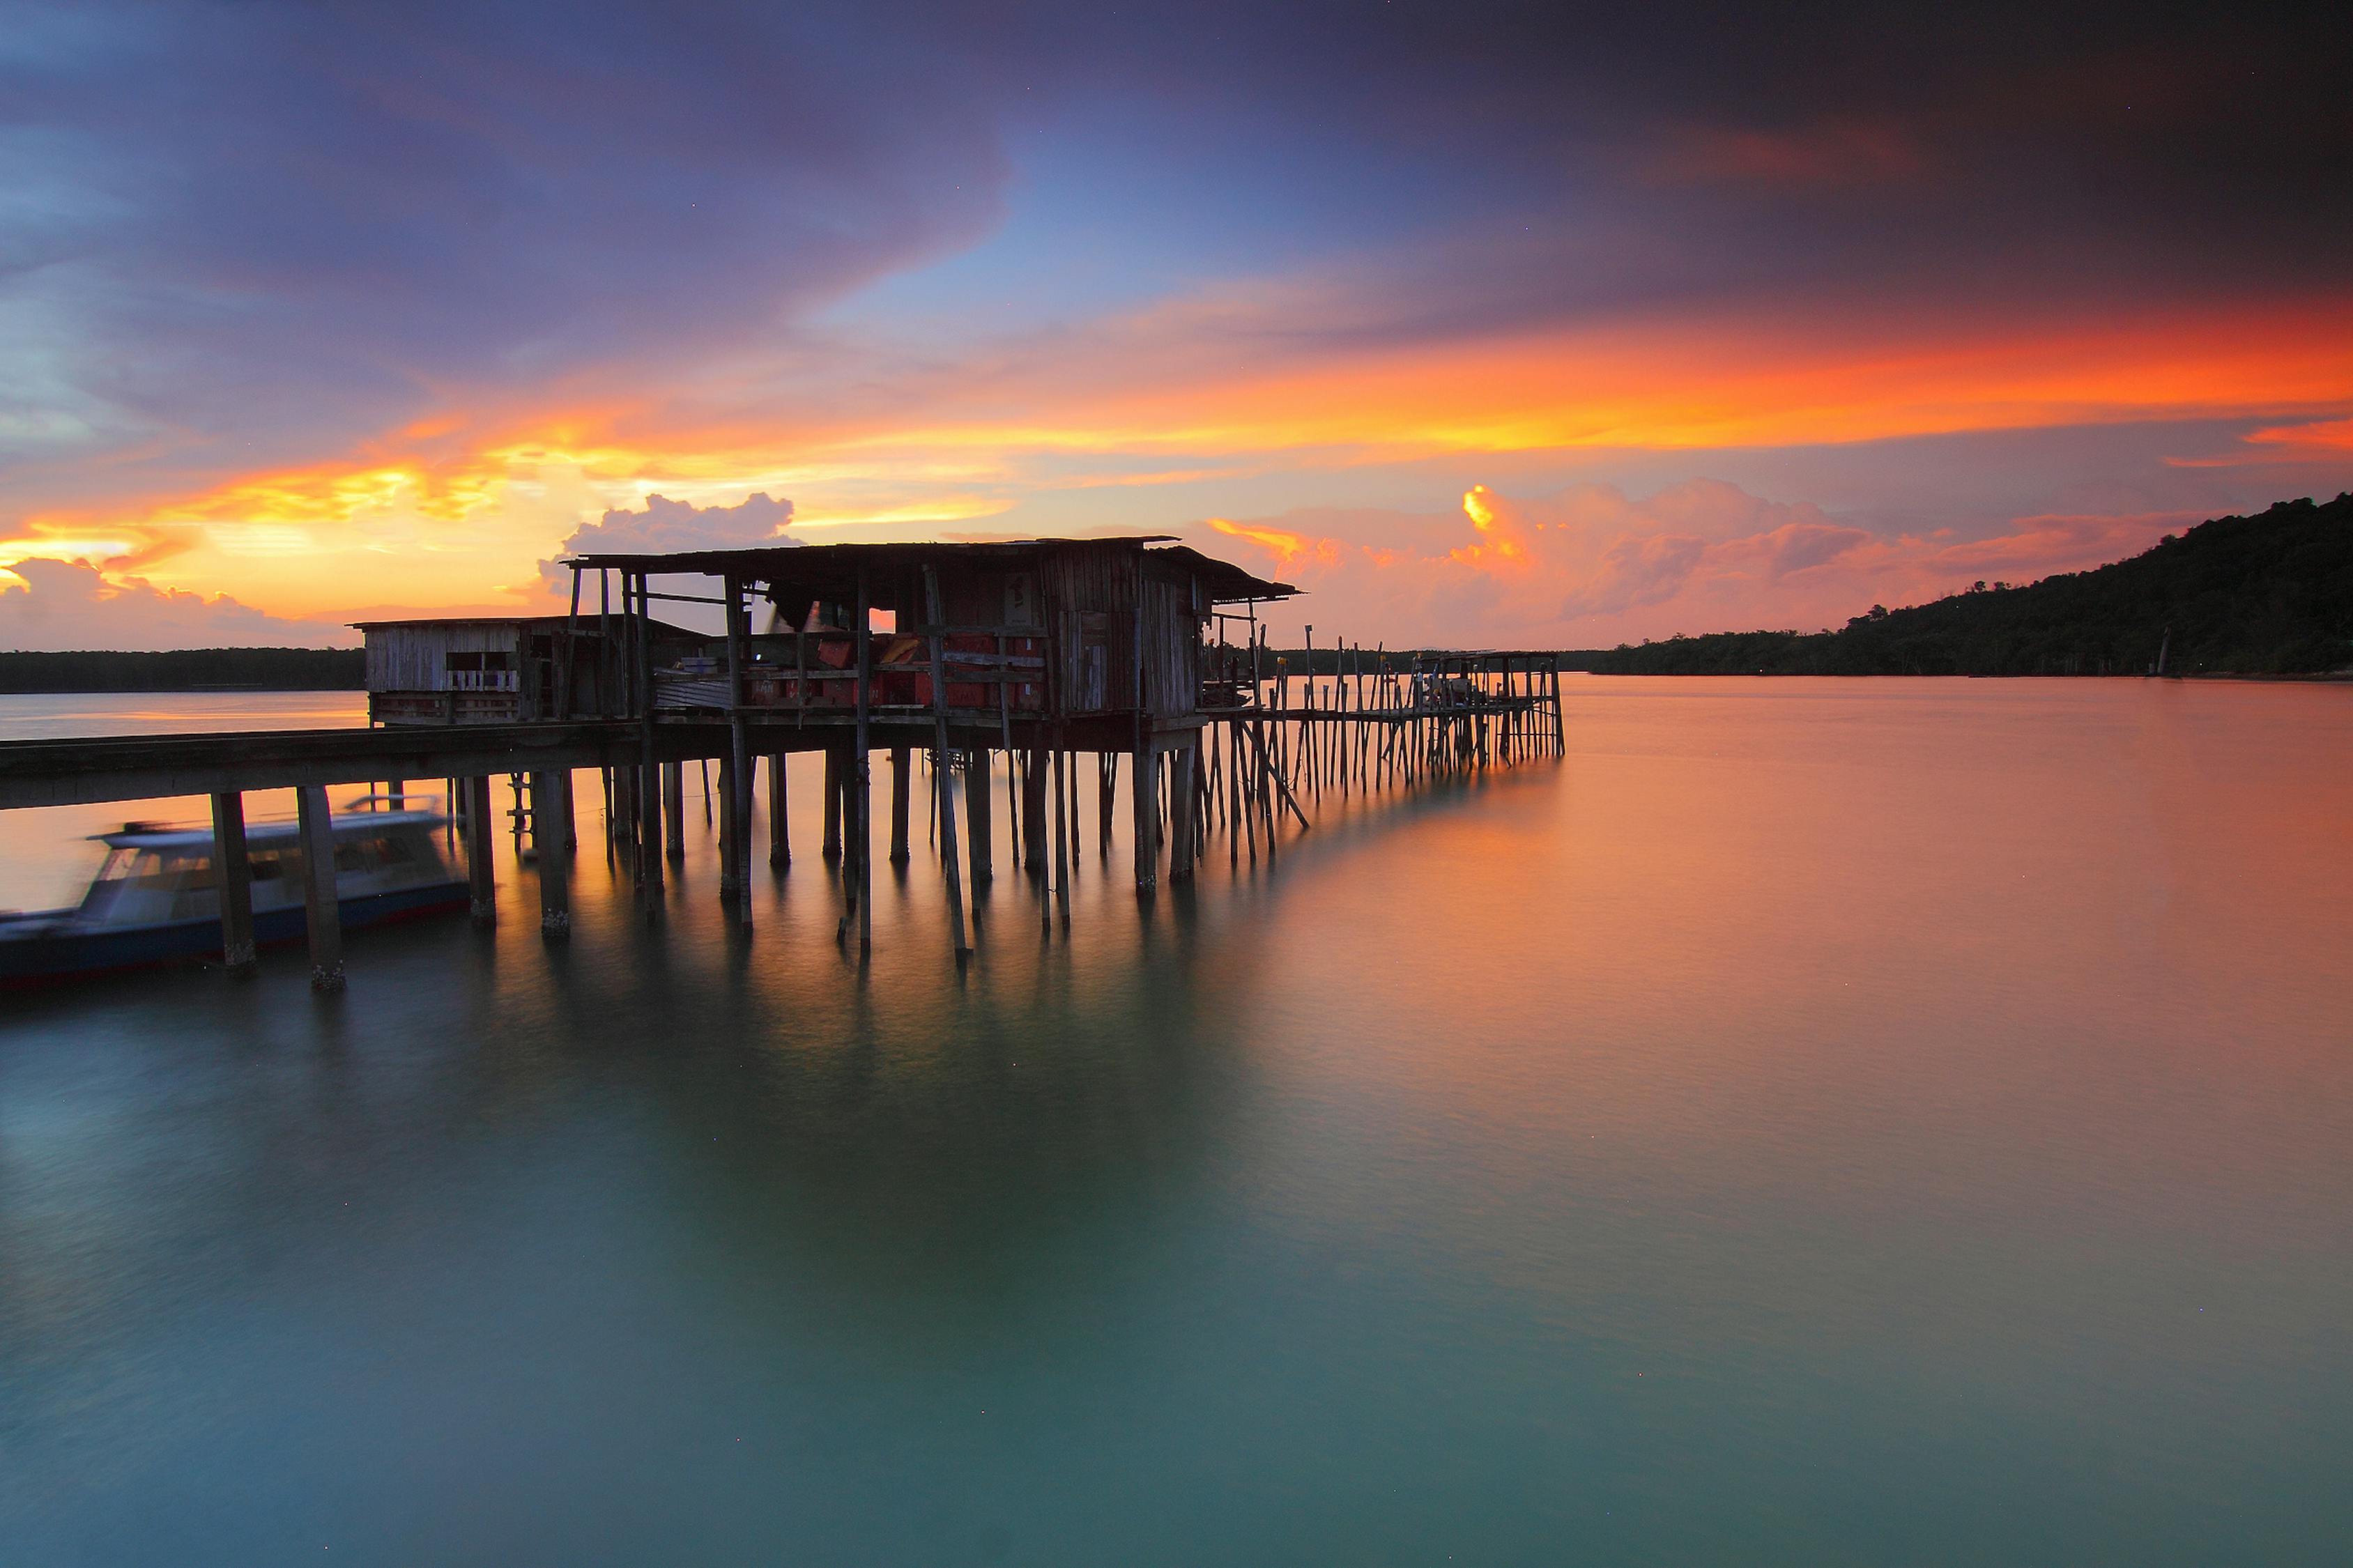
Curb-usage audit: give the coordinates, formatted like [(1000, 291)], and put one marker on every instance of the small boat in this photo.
[(153, 900)]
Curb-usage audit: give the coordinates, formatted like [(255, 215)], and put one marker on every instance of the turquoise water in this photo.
[(1812, 1122)]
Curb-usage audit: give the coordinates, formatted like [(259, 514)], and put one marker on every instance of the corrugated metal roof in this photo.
[(831, 570)]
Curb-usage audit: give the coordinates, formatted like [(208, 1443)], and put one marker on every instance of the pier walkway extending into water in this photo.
[(992, 658)]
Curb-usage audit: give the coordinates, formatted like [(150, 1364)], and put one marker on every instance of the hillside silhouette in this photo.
[(2268, 595)]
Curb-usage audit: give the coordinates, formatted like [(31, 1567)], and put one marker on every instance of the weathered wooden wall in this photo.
[(416, 658)]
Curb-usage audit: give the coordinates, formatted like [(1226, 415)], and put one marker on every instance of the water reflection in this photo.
[(1806, 1112)]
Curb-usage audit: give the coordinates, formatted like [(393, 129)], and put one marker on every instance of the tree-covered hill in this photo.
[(187, 670), (2271, 595)]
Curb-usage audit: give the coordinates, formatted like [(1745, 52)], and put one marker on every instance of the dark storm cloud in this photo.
[(263, 218), (290, 224)]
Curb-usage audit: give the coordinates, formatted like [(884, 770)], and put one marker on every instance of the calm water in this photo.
[(1864, 1123)]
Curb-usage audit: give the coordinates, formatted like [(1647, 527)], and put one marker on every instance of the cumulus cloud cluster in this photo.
[(667, 525), (66, 605)]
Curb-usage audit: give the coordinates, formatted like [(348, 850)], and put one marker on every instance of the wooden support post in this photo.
[(780, 829), (551, 797), (726, 827), (233, 876), (977, 813), (554, 809), (934, 614), (1182, 808), (673, 786), (621, 806), (1144, 791), (321, 912), (664, 793), (1106, 799), (899, 759), (1033, 810), (1013, 796), (861, 774), (481, 840), (1056, 759), (739, 745), (836, 790)]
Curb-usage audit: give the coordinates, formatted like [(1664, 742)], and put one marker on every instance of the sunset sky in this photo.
[(1493, 324)]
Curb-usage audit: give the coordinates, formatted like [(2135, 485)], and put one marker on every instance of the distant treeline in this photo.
[(2239, 595), (188, 669)]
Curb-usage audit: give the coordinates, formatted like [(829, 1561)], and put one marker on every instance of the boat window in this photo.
[(268, 865)]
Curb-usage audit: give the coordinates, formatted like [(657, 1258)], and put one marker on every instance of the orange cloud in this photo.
[(1289, 549), (1192, 390), (1600, 566)]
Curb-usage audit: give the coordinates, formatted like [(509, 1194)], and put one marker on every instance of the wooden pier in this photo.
[(1017, 660)]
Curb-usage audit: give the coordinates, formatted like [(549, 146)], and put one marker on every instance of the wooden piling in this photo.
[(1062, 899), (780, 817), (835, 788), (233, 876), (977, 813), (936, 617), (1106, 799), (482, 841), (551, 800), (662, 792), (861, 773), (1181, 814), (739, 742), (898, 805), (1145, 796), (673, 810), (1033, 810), (323, 913), (727, 851)]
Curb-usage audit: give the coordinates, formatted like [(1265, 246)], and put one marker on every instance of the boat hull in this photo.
[(77, 953)]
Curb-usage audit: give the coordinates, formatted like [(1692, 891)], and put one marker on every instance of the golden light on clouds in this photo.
[(451, 504)]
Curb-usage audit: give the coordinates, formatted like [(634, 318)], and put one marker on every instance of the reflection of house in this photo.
[(477, 670)]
